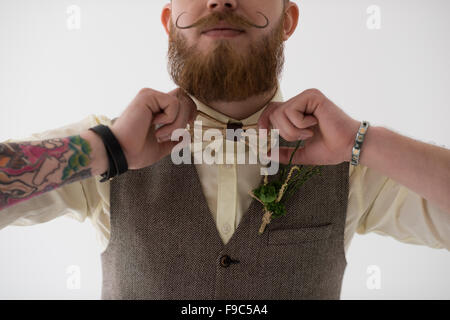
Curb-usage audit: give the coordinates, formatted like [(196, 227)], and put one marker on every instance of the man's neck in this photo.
[(243, 109)]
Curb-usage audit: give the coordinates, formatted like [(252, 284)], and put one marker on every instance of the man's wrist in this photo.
[(354, 127), (371, 141), (99, 158)]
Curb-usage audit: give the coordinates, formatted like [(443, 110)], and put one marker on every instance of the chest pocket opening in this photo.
[(299, 235)]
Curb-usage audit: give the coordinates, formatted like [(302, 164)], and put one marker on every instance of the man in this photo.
[(190, 232)]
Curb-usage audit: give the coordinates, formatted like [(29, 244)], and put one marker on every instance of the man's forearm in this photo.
[(28, 169), (421, 167)]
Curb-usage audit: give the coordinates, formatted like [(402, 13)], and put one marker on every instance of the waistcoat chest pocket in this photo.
[(299, 235)]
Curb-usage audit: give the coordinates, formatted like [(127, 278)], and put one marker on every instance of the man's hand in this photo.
[(135, 128), (328, 132)]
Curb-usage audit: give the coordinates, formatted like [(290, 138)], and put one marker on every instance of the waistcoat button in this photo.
[(225, 261)]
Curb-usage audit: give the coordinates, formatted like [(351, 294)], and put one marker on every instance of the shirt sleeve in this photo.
[(391, 209), (78, 200)]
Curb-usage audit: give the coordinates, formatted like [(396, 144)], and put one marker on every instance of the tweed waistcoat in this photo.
[(164, 242)]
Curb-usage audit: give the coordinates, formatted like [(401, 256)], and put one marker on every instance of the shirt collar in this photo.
[(252, 119)]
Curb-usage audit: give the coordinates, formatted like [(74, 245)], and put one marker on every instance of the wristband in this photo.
[(116, 158), (360, 135)]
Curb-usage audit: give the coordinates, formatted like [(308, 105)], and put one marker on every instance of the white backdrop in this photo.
[(385, 61)]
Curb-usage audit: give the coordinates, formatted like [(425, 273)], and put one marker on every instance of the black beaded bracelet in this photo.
[(117, 162)]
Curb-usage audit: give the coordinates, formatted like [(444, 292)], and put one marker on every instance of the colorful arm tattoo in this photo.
[(28, 169)]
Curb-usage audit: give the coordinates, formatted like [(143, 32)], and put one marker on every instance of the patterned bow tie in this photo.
[(228, 135)]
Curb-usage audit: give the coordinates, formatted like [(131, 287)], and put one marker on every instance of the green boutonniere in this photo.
[(273, 195)]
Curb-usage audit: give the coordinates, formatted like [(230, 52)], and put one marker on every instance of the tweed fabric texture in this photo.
[(165, 245)]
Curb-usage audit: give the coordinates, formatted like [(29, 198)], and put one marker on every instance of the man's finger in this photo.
[(264, 119), (299, 119), (187, 105), (288, 130)]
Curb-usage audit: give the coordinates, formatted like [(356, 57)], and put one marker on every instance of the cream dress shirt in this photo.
[(376, 203)]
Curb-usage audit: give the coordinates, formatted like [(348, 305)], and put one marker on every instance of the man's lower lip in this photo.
[(227, 33)]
